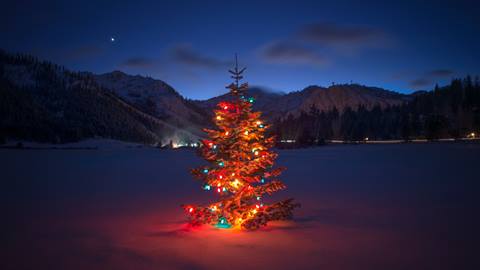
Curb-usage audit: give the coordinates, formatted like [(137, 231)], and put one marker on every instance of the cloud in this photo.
[(420, 82), (428, 78), (290, 53), (184, 54), (329, 34), (139, 62), (304, 44), (85, 51), (441, 73)]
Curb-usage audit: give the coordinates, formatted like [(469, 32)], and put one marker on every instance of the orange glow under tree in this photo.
[(240, 167)]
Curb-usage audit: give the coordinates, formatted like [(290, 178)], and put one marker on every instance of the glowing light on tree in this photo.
[(240, 167)]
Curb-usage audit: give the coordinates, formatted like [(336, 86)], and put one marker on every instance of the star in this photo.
[(112, 39)]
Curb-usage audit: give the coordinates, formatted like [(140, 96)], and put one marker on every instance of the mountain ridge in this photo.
[(339, 97), (42, 101), (151, 105)]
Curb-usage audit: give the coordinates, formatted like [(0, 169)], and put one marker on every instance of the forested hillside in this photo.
[(41, 101), (452, 111)]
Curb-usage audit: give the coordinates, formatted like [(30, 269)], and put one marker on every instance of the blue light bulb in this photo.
[(223, 223)]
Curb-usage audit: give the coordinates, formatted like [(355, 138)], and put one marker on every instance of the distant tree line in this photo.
[(452, 111)]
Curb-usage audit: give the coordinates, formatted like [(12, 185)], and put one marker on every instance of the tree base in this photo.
[(247, 220)]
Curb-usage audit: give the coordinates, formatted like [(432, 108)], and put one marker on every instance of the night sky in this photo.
[(403, 46)]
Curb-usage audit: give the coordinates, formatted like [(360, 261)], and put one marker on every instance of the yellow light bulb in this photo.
[(259, 122), (256, 153), (219, 117), (246, 132)]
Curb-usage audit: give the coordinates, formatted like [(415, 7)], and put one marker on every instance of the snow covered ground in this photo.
[(98, 143), (363, 207)]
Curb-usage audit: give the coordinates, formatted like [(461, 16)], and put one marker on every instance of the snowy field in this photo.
[(412, 206)]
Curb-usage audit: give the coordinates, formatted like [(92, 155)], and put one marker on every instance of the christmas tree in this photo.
[(240, 166)]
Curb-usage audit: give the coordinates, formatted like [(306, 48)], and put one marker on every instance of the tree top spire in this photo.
[(236, 72)]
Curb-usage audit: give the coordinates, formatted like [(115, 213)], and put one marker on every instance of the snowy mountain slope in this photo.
[(41, 101), (338, 96), (264, 100), (156, 98), (275, 104)]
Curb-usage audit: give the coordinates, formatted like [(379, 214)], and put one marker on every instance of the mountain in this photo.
[(275, 105), (263, 100), (338, 96), (156, 98), (452, 111), (41, 101)]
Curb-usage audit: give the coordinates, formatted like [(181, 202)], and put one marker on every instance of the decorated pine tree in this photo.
[(241, 167)]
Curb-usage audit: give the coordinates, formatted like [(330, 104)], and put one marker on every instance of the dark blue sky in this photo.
[(402, 46)]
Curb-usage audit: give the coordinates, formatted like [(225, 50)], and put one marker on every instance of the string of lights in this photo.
[(240, 167)]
